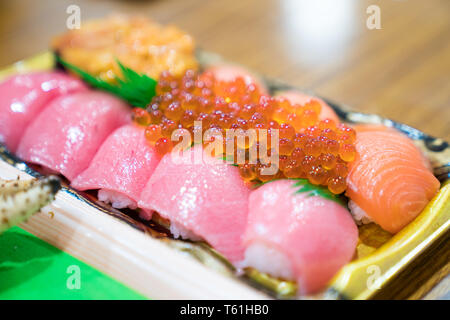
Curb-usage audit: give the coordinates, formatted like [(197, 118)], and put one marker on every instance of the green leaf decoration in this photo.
[(303, 185), (137, 89)]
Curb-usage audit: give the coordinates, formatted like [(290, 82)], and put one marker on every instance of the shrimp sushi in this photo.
[(120, 168), (390, 181), (23, 97), (66, 135), (297, 235), (201, 198)]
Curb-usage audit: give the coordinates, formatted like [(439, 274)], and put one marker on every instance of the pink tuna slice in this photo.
[(312, 237), (300, 98), (229, 72), (23, 97), (208, 199), (67, 134), (123, 164)]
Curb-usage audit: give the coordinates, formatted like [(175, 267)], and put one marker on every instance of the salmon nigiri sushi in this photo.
[(66, 135), (129, 159), (23, 97), (297, 235), (390, 181), (201, 199)]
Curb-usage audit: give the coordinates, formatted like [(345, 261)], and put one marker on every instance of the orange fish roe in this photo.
[(318, 150), (141, 116), (153, 133), (163, 146)]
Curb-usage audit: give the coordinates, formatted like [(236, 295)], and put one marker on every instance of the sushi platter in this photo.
[(219, 230)]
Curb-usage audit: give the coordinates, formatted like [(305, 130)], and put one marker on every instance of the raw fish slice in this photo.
[(22, 97), (67, 134), (390, 179), (298, 236), (378, 128), (121, 167), (300, 98), (200, 198), (229, 72)]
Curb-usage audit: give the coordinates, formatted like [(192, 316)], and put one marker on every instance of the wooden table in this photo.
[(400, 71)]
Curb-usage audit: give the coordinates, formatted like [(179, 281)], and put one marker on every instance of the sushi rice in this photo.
[(179, 231), (358, 214), (257, 255), (117, 199)]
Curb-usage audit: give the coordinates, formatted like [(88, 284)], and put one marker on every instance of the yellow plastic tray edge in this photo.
[(362, 278)]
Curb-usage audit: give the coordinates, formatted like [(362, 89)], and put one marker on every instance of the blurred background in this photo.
[(398, 68)]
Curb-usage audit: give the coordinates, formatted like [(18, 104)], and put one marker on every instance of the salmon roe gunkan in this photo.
[(310, 148)]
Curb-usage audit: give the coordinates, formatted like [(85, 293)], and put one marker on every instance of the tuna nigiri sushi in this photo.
[(22, 97), (66, 135), (201, 199), (297, 236), (390, 181), (120, 168), (297, 97)]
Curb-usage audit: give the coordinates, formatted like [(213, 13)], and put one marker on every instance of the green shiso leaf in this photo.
[(137, 89)]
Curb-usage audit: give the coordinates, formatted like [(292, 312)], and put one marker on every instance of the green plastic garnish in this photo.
[(137, 89), (304, 185)]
